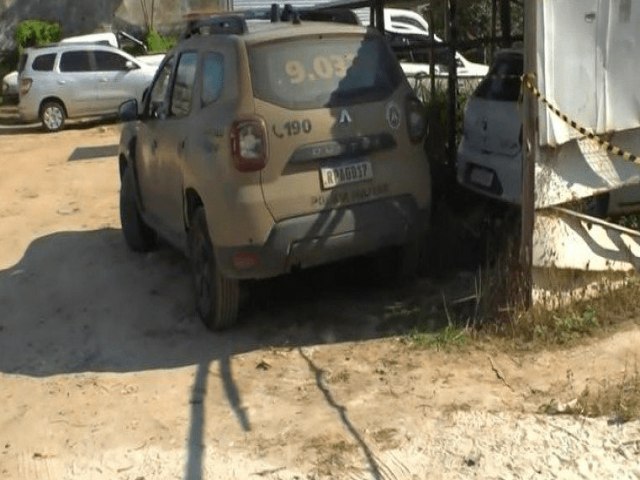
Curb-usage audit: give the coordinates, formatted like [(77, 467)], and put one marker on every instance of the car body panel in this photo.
[(279, 213)]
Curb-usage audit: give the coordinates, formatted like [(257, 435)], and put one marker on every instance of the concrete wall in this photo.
[(87, 16)]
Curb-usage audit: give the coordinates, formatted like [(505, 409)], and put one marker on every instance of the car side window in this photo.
[(110, 61), (75, 61), (212, 77), (44, 63), (182, 93), (158, 97)]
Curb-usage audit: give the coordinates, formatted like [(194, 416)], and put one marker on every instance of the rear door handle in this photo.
[(104, 80), (181, 146), (61, 82), (154, 146)]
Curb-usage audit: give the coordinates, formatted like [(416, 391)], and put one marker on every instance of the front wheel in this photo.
[(217, 297), (52, 115)]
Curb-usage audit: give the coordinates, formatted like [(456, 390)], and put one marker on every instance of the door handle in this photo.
[(181, 146), (154, 146), (104, 80), (61, 82)]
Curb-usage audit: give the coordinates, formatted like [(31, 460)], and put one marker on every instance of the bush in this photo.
[(157, 43), (33, 33)]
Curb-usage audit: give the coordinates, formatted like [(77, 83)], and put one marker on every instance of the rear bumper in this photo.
[(328, 236), (506, 171)]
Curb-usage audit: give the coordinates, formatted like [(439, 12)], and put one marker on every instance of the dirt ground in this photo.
[(106, 373)]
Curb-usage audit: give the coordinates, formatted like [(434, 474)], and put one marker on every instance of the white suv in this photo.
[(78, 80)]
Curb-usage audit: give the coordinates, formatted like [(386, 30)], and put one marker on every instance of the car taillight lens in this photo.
[(249, 144), (416, 120), (25, 85)]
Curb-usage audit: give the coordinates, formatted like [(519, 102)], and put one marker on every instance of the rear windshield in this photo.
[(323, 71), (503, 80)]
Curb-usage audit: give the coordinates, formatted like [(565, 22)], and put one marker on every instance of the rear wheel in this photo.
[(139, 236), (217, 297), (52, 115)]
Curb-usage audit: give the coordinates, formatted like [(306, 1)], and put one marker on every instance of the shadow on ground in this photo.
[(81, 301)]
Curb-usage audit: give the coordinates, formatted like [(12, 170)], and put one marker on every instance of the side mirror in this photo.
[(128, 110), (131, 66)]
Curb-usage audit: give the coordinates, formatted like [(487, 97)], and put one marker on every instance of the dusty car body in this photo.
[(268, 147)]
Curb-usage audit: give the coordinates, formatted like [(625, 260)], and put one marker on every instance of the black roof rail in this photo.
[(216, 24), (337, 15)]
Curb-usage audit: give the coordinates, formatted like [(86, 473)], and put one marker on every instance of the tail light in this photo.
[(25, 85), (249, 144), (416, 119)]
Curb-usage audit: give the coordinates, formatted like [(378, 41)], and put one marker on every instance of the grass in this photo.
[(619, 400)]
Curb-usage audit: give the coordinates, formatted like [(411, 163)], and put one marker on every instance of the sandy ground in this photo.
[(106, 373)]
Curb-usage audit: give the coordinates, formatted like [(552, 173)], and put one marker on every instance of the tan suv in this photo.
[(268, 146)]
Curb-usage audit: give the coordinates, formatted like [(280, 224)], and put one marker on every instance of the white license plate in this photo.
[(346, 173), (481, 177)]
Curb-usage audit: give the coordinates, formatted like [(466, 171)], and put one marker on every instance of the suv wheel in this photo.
[(52, 115), (217, 297), (138, 235)]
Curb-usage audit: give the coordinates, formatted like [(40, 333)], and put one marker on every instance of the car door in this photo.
[(120, 79), (147, 160), (76, 83), (162, 143), (173, 142)]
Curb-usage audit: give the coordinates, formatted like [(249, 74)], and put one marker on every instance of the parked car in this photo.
[(78, 80), (10, 88), (263, 148), (408, 34), (490, 152)]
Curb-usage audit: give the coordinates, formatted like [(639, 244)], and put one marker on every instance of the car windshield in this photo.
[(304, 73), (502, 83)]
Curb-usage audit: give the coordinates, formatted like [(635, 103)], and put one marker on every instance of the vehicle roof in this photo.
[(58, 47), (263, 31)]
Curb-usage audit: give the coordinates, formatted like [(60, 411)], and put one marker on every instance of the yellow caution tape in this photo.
[(612, 149)]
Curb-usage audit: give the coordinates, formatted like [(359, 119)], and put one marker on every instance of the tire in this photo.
[(217, 297), (138, 235), (52, 116)]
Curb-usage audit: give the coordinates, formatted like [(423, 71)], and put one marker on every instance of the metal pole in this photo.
[(505, 22), (453, 82), (432, 59), (529, 152), (494, 28), (379, 7)]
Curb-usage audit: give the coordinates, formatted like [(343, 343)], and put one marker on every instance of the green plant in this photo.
[(449, 336), (157, 43), (33, 33)]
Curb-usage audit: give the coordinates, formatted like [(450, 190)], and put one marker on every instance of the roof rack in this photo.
[(215, 25), (235, 23)]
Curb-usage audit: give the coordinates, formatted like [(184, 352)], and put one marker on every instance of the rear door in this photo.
[(335, 116), (77, 82)]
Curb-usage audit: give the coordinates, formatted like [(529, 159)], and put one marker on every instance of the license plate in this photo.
[(346, 173), (481, 177)]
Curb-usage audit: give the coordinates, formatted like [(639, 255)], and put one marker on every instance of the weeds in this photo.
[(618, 400), (450, 336)]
